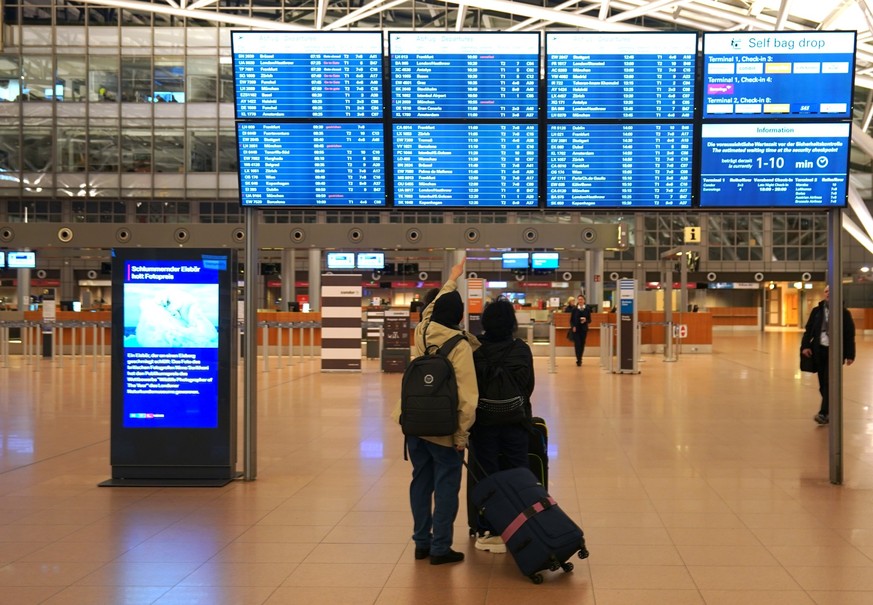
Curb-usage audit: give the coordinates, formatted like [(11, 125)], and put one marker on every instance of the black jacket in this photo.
[(577, 315), (517, 359), (812, 333)]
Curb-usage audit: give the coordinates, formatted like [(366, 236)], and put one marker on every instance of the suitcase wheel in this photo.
[(567, 567), (555, 566), (536, 578), (583, 553)]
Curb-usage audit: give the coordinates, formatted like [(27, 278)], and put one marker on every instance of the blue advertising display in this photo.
[(174, 354), (311, 164), (465, 165), (464, 75), (774, 165), (613, 165), (307, 74), (171, 343), (21, 260), (608, 76), (795, 75)]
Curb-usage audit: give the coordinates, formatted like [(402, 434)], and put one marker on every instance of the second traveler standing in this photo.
[(580, 319)]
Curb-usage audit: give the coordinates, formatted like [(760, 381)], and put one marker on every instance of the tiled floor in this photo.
[(700, 481)]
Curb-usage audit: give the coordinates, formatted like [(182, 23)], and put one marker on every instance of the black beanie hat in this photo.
[(498, 320), (448, 309)]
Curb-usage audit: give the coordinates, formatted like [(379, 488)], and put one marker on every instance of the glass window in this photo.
[(169, 81), (37, 149), (202, 79), (103, 78), (103, 150), (225, 76), (72, 148), (98, 211), (227, 151), (9, 150), (37, 80), (169, 150), (201, 144), (136, 79), (10, 83), (136, 150), (71, 84)]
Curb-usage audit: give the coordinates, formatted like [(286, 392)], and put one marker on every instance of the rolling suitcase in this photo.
[(538, 534), (538, 459)]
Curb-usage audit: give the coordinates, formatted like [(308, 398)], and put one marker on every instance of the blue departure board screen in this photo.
[(465, 165), (487, 76), (311, 164), (774, 165), (612, 165), (307, 75), (762, 75), (609, 76)]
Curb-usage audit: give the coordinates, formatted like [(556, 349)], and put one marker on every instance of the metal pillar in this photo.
[(835, 358), (250, 363)]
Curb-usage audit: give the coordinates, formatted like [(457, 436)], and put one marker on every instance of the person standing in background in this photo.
[(580, 319), (816, 344)]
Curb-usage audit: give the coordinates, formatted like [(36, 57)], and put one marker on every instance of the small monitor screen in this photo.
[(774, 165), (340, 260), (544, 260), (2, 259), (371, 260), (21, 260), (763, 75), (516, 260)]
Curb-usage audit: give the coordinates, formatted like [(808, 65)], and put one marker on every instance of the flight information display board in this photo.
[(774, 165), (307, 75), (612, 76), (465, 165), (612, 165), (311, 164), (796, 75), (464, 75)]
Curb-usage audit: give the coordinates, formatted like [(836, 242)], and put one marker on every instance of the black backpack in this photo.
[(429, 393), (500, 399)]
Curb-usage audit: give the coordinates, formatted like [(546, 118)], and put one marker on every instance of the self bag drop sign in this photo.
[(173, 363)]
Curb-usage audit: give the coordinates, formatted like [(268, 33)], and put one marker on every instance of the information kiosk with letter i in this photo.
[(173, 367), (626, 329)]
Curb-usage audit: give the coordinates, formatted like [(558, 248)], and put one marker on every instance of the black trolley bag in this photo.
[(537, 457), (539, 535)]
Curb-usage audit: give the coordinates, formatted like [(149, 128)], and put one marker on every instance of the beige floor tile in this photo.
[(340, 574), (139, 574), (117, 595), (334, 595), (758, 597), (239, 574), (28, 595), (636, 554), (641, 577), (827, 579), (840, 597), (726, 555), (39, 573), (264, 552), (825, 556), (609, 596), (740, 577), (447, 596)]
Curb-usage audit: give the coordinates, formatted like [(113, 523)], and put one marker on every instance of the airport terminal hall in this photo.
[(419, 302)]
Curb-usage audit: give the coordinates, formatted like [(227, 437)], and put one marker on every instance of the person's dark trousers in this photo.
[(821, 361), (579, 337), (488, 442), (436, 475)]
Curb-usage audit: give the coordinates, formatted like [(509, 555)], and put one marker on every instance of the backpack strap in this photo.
[(449, 344)]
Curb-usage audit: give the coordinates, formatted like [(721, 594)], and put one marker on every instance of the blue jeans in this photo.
[(436, 479)]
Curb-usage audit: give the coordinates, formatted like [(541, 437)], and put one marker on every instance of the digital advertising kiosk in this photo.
[(174, 369)]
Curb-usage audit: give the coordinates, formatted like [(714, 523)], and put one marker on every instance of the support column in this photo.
[(314, 279), (835, 333), (67, 290), (289, 276), (594, 277), (23, 289)]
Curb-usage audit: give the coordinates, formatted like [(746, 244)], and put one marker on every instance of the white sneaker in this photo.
[(490, 543)]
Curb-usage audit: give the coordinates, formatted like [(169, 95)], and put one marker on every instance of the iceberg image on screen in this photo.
[(171, 315)]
